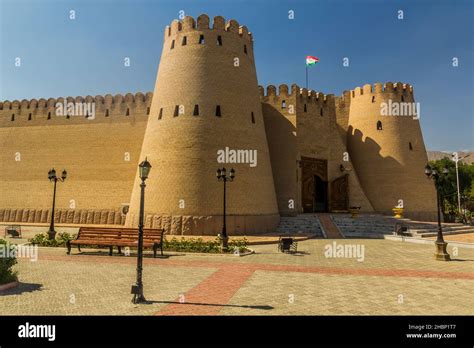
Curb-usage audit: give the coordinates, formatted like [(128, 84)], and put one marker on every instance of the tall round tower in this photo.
[(387, 149), (205, 114)]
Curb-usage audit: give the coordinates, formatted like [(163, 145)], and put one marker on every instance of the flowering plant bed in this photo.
[(197, 245)]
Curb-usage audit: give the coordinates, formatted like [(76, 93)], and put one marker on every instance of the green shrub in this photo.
[(41, 239), (200, 246), (239, 245), (7, 274)]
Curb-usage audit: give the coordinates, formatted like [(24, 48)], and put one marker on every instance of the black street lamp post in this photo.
[(137, 289), (222, 176), (441, 253), (52, 177)]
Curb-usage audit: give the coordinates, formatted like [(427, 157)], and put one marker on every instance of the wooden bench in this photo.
[(119, 237), (13, 230)]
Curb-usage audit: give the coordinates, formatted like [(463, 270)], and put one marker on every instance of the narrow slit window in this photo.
[(283, 104), (201, 39), (106, 112), (49, 115), (148, 111), (176, 111), (379, 125), (172, 44), (403, 99), (160, 115), (253, 117), (410, 146), (29, 117), (218, 111), (13, 117), (196, 110), (185, 41), (373, 99), (245, 49), (219, 40), (321, 112), (305, 108), (128, 112)]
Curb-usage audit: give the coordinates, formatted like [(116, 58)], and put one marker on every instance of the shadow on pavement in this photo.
[(264, 307), (22, 288)]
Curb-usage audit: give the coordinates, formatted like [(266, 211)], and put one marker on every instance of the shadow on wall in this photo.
[(283, 147), (386, 181)]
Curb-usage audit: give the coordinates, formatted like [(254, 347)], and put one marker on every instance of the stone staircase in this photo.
[(307, 224), (448, 229), (364, 226), (377, 225)]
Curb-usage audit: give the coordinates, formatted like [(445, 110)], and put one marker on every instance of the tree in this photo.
[(448, 188)]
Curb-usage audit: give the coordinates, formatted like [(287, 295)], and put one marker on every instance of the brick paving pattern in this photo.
[(329, 227), (394, 278)]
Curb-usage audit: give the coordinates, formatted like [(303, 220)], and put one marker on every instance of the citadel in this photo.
[(316, 152)]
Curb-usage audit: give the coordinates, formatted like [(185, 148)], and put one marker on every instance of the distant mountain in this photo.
[(437, 155)]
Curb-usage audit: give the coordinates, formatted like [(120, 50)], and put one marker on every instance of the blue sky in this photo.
[(63, 57)]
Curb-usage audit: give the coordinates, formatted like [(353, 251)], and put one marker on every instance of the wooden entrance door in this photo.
[(339, 197), (310, 168)]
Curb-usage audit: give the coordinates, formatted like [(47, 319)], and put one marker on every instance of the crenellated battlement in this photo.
[(398, 88), (189, 24), (304, 95), (133, 100), (74, 110)]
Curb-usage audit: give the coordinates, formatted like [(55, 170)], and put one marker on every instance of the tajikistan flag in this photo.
[(310, 60)]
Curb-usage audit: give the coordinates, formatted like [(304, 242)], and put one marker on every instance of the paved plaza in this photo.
[(391, 278)]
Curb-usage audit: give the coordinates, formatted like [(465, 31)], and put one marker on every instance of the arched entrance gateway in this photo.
[(317, 195)]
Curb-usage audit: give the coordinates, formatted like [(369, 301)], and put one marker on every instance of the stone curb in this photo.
[(427, 241)]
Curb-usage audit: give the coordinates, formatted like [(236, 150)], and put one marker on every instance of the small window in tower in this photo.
[(172, 44), (106, 112), (185, 41), (321, 112), (283, 104), (68, 116), (169, 31), (176, 111), (201, 39), (13, 117), (219, 40), (218, 111), (245, 49), (160, 116), (373, 99), (253, 117), (305, 108), (403, 99), (379, 125), (49, 115), (148, 111), (196, 110), (127, 113), (29, 117), (410, 146)]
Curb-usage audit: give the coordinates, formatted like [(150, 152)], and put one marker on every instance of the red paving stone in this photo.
[(267, 267), (331, 230), (214, 292), (209, 296)]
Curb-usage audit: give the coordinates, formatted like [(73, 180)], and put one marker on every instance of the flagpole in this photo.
[(306, 76)]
